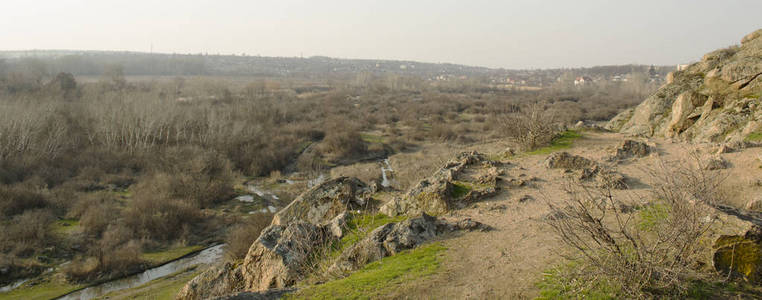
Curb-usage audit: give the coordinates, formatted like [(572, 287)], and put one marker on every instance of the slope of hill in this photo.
[(716, 99)]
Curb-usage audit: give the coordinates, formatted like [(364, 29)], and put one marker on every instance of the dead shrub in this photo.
[(654, 252), (17, 199), (344, 144), (532, 127), (26, 233)]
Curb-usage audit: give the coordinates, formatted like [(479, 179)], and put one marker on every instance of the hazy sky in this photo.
[(509, 34)]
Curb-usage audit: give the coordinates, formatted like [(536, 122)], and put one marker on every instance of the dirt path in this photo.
[(507, 262)]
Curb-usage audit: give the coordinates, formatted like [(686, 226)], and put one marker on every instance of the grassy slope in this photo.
[(380, 278)]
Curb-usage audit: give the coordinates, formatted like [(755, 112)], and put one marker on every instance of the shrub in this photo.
[(242, 235), (647, 254), (531, 128), (344, 144), (17, 199)]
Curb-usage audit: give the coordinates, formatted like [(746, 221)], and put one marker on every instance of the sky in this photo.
[(520, 34)]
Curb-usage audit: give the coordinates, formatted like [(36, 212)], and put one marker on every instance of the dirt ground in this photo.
[(507, 262)]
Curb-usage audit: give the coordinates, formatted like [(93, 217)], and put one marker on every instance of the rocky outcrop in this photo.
[(448, 188), (564, 160), (214, 282), (392, 238), (586, 169), (324, 202), (631, 149), (714, 100), (281, 254)]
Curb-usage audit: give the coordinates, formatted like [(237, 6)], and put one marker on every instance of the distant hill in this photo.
[(90, 63)]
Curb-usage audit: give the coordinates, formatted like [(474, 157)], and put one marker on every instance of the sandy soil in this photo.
[(507, 262)]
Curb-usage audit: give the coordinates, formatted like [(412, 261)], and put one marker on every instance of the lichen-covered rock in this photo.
[(439, 193), (324, 202), (709, 101), (586, 169), (737, 242), (619, 120), (280, 256), (564, 160), (631, 148), (339, 224), (392, 238), (214, 282)]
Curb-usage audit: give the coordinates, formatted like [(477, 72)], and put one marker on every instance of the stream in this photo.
[(386, 173), (13, 285), (207, 256)]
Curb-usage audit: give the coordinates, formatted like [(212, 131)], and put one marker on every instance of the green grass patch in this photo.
[(48, 289), (158, 257), (754, 137), (561, 283), (372, 138), (563, 141), (380, 278), (360, 227), (65, 227), (460, 189), (652, 215)]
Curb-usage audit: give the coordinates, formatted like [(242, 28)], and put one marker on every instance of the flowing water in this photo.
[(13, 285), (386, 177), (207, 256)]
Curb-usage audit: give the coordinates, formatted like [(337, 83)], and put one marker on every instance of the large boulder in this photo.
[(443, 191), (214, 282), (281, 255), (737, 246), (324, 202)]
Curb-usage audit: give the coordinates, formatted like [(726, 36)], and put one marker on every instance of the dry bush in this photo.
[(17, 199), (155, 213), (27, 232), (242, 235), (532, 127), (343, 144), (657, 251)]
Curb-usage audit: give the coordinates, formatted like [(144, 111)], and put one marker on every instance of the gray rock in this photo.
[(434, 195), (393, 238), (214, 282), (280, 256), (324, 202), (631, 148), (564, 160)]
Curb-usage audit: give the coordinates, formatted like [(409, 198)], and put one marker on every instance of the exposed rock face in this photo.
[(324, 202), (437, 194), (392, 238), (214, 282), (279, 257), (630, 149), (714, 100)]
